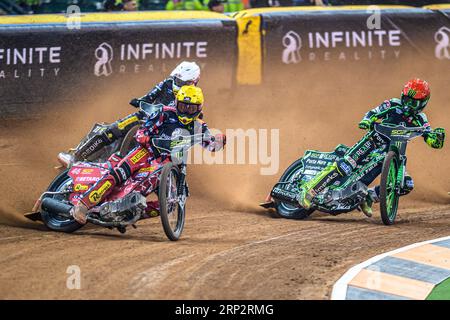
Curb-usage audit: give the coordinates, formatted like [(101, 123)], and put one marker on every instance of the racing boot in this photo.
[(66, 159), (317, 184), (371, 198), (79, 212)]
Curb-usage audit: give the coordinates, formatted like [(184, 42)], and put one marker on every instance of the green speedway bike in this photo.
[(348, 193)]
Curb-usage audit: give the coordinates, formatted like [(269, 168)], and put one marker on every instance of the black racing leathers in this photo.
[(162, 93)]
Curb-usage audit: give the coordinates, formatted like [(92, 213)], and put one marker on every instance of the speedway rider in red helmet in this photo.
[(409, 110)]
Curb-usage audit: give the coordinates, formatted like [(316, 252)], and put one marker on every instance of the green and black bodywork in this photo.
[(346, 193)]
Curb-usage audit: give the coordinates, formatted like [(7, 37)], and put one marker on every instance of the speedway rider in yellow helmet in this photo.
[(189, 104), (164, 122), (185, 73)]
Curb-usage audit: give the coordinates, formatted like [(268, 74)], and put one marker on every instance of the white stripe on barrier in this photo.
[(340, 287)]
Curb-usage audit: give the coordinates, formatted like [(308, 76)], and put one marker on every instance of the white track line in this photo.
[(340, 287), (10, 238), (12, 164)]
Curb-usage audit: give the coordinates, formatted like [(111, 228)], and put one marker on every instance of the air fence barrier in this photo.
[(45, 58)]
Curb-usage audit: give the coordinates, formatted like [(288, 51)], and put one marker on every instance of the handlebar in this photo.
[(400, 127), (178, 143), (398, 131)]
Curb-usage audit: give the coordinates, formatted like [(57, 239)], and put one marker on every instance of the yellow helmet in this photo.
[(189, 103)]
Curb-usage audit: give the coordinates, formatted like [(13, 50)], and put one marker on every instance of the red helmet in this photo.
[(415, 95)]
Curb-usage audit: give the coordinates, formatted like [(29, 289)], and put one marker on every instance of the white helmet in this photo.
[(186, 73)]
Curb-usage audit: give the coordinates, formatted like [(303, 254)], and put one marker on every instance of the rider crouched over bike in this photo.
[(407, 110), (161, 123), (186, 73)]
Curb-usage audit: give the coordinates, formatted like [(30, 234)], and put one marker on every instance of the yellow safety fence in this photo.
[(114, 17)]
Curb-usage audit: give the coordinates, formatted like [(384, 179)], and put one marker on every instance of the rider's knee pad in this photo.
[(344, 167), (408, 185), (374, 194), (121, 173)]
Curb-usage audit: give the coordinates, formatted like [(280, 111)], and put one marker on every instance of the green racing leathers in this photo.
[(390, 111)]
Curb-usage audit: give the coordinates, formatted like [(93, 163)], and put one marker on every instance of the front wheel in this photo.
[(389, 195), (171, 202), (57, 222)]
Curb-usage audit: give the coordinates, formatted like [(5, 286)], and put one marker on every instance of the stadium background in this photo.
[(230, 248)]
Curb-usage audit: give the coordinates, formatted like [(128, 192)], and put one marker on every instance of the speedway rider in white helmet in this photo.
[(186, 73)]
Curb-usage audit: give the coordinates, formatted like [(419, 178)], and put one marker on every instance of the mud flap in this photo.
[(268, 202), (286, 192), (34, 216), (267, 205)]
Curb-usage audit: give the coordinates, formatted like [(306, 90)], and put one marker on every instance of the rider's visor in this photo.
[(415, 104), (188, 108), (179, 83)]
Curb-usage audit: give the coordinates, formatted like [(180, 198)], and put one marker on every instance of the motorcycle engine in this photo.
[(126, 208), (342, 199)]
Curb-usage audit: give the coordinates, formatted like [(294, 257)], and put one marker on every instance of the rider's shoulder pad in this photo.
[(422, 117), (395, 102)]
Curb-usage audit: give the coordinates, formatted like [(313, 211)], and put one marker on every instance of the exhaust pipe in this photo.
[(57, 207)]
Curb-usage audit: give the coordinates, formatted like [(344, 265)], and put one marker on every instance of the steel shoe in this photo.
[(79, 212), (66, 159)]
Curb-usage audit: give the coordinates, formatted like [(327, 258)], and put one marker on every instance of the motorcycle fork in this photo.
[(183, 182), (401, 147), (401, 173)]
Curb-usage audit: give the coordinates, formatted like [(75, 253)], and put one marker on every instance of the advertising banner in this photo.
[(294, 41), (39, 63)]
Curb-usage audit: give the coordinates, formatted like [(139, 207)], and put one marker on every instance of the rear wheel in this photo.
[(57, 222), (285, 210), (171, 202), (389, 195)]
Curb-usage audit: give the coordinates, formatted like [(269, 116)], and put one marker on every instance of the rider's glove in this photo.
[(135, 103), (221, 139), (365, 124), (142, 138), (217, 142), (435, 138)]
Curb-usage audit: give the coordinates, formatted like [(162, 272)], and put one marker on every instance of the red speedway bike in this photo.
[(129, 202)]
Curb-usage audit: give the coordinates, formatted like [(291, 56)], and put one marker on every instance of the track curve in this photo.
[(230, 248)]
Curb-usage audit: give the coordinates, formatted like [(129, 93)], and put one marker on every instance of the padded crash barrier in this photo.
[(45, 57), (292, 39), (56, 57)]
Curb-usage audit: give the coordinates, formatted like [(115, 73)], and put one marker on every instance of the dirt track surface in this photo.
[(222, 255), (230, 248)]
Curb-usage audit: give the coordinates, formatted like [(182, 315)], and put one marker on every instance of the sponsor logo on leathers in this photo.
[(96, 195), (87, 179), (325, 183), (138, 156), (80, 187)]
